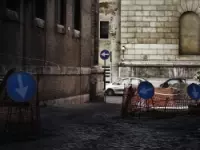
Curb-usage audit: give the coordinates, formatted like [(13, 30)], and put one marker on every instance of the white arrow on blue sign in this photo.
[(21, 87), (105, 54), (193, 91), (146, 90)]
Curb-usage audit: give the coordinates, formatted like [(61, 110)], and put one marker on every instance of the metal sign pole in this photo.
[(105, 80), (105, 54), (111, 67), (104, 74)]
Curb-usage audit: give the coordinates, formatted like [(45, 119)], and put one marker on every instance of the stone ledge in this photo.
[(79, 99), (97, 70), (76, 34), (49, 70), (39, 22), (160, 63), (67, 70), (60, 29), (12, 15)]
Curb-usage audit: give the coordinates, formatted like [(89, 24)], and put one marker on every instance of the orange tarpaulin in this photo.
[(163, 97)]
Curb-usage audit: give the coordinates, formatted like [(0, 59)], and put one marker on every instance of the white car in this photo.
[(118, 86)]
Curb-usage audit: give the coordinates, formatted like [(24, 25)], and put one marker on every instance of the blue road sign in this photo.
[(146, 90), (193, 91), (21, 87), (105, 54)]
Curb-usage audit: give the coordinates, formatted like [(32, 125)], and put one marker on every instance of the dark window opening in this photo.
[(40, 9), (13, 4), (104, 29), (61, 9), (77, 14)]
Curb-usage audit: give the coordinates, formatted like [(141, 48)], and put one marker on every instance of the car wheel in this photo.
[(110, 92)]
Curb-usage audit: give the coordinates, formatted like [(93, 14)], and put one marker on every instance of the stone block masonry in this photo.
[(150, 28), (152, 31), (61, 51)]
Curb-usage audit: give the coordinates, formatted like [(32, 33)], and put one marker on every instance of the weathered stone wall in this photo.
[(150, 28), (158, 71), (95, 31), (56, 51), (109, 10), (150, 31)]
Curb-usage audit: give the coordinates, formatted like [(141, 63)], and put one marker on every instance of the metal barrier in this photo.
[(106, 75), (165, 101), (15, 113)]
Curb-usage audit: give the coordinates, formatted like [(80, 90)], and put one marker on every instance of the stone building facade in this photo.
[(109, 13), (56, 40), (161, 37)]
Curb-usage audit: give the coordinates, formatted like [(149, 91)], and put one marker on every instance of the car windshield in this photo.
[(142, 79), (173, 81), (176, 81), (119, 80), (125, 81)]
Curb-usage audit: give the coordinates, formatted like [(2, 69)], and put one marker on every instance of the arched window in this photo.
[(189, 34)]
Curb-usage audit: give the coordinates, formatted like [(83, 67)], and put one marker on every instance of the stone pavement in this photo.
[(98, 126)]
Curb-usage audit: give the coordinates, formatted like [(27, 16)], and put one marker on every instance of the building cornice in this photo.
[(160, 63)]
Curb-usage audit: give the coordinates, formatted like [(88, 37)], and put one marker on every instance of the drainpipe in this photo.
[(24, 35), (45, 33), (97, 32), (80, 45)]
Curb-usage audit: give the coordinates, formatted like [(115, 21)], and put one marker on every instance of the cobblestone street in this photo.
[(98, 126)]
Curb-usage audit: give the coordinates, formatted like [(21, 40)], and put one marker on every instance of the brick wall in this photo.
[(150, 29)]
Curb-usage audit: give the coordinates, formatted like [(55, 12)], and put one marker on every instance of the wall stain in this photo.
[(104, 5)]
